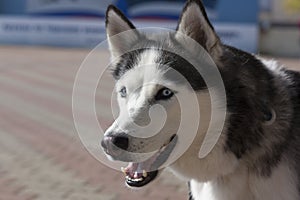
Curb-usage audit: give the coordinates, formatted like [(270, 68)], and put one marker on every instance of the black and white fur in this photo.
[(257, 156)]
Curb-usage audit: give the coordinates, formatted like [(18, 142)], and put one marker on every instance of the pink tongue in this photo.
[(132, 168), (133, 171)]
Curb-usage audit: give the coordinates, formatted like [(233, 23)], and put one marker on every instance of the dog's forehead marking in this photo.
[(146, 73), (142, 82), (148, 57)]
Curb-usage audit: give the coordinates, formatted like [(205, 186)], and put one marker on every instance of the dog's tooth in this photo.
[(145, 174), (123, 170)]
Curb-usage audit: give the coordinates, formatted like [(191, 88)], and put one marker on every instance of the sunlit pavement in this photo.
[(41, 156)]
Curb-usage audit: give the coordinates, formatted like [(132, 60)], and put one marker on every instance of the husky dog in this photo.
[(257, 155)]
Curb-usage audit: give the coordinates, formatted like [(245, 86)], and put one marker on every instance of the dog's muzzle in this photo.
[(137, 173)]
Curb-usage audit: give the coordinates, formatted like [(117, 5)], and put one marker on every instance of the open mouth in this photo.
[(140, 174)]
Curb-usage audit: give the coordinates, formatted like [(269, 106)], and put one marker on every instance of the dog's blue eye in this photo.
[(123, 92), (163, 94)]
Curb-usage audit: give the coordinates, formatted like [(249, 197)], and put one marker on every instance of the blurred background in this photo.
[(42, 45), (266, 26)]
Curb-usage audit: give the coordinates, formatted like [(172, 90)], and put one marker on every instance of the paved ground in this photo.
[(41, 156)]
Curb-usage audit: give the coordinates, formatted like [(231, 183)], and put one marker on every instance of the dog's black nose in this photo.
[(121, 141)]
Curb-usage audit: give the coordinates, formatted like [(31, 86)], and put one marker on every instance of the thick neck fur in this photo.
[(254, 92), (262, 101)]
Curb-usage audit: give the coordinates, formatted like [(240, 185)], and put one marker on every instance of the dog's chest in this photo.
[(281, 185), (200, 191), (215, 191)]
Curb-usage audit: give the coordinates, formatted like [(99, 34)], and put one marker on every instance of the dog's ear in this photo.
[(195, 24), (117, 22)]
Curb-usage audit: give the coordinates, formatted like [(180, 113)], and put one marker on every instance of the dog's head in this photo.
[(146, 79)]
